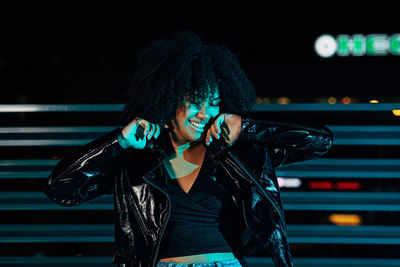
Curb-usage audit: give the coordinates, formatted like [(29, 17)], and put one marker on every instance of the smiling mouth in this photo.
[(196, 125)]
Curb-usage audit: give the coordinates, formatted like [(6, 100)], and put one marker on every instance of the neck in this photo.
[(188, 147)]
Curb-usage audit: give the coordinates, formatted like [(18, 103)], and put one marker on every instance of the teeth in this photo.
[(196, 124)]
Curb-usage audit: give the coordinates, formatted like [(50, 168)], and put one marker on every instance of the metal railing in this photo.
[(324, 168)]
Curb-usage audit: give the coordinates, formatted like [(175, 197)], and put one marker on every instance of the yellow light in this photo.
[(259, 100), (396, 112), (345, 219), (373, 101), (332, 100), (283, 100)]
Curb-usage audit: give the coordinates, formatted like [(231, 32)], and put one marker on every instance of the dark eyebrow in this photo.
[(217, 98)]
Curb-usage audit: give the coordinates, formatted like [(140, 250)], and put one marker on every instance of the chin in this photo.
[(195, 137)]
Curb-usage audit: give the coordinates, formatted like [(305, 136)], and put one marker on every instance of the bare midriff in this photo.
[(202, 258)]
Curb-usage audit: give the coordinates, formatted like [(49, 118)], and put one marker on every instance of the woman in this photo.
[(192, 175)]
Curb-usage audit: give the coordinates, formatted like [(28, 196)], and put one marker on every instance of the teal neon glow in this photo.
[(358, 45), (395, 44), (343, 48), (376, 44)]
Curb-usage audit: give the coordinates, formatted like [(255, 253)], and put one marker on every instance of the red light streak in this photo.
[(327, 185)]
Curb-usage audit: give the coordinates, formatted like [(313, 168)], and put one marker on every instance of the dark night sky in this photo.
[(82, 55)]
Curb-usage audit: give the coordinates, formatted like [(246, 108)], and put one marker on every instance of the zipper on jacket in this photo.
[(267, 195), (168, 215), (247, 225), (142, 225)]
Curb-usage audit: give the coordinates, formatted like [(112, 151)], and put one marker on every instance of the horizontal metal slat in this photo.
[(327, 107), (56, 261), (326, 262), (45, 142), (359, 129), (316, 168), (39, 201), (333, 201), (341, 201), (342, 168), (257, 107), (57, 129), (331, 234), (344, 135), (56, 233), (61, 107), (365, 134), (299, 234), (370, 135)]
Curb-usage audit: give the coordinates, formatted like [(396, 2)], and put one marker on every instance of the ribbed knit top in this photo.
[(193, 226)]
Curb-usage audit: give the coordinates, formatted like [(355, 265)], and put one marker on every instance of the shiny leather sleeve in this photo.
[(278, 246), (87, 172), (288, 142)]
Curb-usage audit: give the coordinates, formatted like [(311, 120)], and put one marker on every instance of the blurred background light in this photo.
[(346, 100), (332, 100), (324, 185), (283, 100), (396, 112), (345, 219), (348, 185), (395, 44), (289, 182), (357, 45), (325, 45), (266, 100)]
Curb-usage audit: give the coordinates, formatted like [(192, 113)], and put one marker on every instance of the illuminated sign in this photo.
[(357, 45)]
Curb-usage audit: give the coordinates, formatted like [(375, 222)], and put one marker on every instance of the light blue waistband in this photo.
[(232, 263)]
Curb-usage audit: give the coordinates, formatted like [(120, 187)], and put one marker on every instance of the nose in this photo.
[(202, 114)]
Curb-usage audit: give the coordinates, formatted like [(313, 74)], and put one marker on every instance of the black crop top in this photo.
[(194, 222)]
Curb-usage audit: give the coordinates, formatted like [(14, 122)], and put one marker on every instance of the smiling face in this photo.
[(191, 118)]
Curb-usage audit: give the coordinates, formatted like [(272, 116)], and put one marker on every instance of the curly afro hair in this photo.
[(170, 69)]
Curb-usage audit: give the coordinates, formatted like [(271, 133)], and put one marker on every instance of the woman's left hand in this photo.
[(227, 125)]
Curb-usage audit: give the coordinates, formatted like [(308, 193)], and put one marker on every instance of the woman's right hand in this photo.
[(133, 130)]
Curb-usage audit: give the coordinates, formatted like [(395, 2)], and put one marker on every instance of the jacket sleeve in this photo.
[(288, 142), (277, 241), (87, 172)]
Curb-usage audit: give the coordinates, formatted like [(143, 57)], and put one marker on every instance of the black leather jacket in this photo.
[(141, 203)]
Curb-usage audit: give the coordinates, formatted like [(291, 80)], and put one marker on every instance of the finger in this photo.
[(225, 131), (155, 130), (221, 119), (146, 126), (208, 136), (210, 140), (214, 131), (224, 127), (152, 131), (158, 131)]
